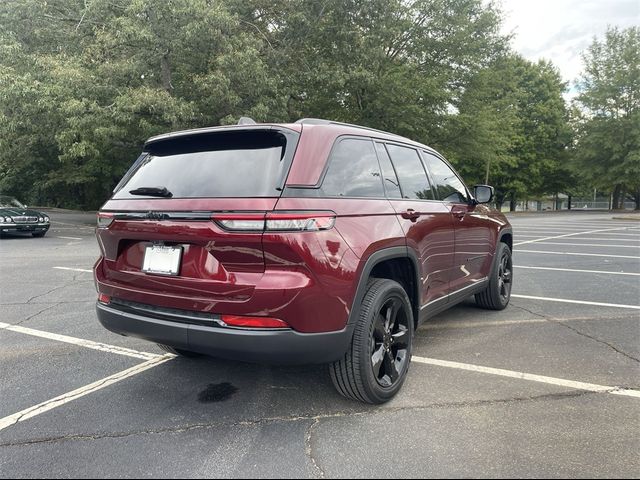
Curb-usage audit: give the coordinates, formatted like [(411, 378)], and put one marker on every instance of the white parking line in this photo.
[(634, 241), (590, 387), (577, 270), (577, 225), (74, 269), (456, 324), (578, 254), (591, 245), (570, 229), (81, 392), (580, 302), (619, 234), (80, 342), (69, 238), (568, 235), (593, 239)]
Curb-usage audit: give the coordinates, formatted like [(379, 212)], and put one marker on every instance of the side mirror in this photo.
[(483, 193)]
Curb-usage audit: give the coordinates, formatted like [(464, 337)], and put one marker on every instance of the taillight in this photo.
[(300, 222), (105, 219), (277, 221), (245, 222), (253, 322), (102, 298)]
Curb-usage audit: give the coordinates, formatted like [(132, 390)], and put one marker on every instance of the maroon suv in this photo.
[(312, 242)]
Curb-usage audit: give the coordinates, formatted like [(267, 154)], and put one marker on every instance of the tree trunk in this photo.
[(499, 200), (569, 202), (636, 198), (165, 67), (166, 72), (512, 202), (615, 201), (486, 175)]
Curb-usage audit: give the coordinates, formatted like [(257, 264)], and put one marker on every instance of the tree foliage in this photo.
[(84, 83), (608, 115), (512, 129)]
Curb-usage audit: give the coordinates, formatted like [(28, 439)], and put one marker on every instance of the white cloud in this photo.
[(560, 30)]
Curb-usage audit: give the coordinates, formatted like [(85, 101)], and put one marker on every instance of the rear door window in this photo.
[(223, 164), (390, 180), (353, 170), (413, 178), (450, 187)]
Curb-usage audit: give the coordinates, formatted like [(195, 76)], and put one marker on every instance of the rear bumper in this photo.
[(260, 346)]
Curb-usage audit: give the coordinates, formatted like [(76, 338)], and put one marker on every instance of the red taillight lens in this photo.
[(276, 221), (253, 322), (102, 298), (105, 219)]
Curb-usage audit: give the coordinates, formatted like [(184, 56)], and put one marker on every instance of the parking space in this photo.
[(548, 387)]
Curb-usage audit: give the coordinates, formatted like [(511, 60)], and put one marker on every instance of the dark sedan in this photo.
[(17, 218)]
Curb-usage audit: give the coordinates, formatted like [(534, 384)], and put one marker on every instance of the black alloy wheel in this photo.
[(390, 342), (505, 275), (498, 292), (375, 366)]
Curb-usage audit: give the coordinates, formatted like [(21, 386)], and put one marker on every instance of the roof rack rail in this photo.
[(322, 121), (246, 121)]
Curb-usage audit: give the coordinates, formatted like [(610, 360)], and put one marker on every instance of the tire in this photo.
[(39, 234), (498, 293), (377, 361), (178, 351)]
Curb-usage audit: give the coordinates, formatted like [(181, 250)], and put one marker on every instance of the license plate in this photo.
[(162, 260)]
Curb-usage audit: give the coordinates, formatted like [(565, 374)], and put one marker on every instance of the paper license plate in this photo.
[(162, 260)]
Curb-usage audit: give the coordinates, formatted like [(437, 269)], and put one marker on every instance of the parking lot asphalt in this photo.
[(549, 387)]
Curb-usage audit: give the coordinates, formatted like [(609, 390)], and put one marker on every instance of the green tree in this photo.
[(511, 129), (388, 64), (608, 127), (83, 84)]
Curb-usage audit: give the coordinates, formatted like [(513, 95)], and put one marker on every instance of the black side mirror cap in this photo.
[(483, 193)]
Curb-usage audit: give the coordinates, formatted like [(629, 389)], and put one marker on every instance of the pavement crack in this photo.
[(314, 418), (66, 302), (559, 321), (318, 471), (59, 287), (535, 314), (599, 340), (30, 317)]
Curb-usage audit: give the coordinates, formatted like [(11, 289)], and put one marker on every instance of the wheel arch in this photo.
[(395, 263), (506, 236)]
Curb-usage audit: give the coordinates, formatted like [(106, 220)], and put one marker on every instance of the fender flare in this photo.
[(373, 260), (505, 231)]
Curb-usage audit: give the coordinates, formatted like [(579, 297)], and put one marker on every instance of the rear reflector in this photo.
[(104, 219), (276, 221), (253, 322), (102, 298)]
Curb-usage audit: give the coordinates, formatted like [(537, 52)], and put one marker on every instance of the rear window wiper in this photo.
[(152, 192)]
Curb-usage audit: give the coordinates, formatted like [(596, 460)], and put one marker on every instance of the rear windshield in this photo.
[(224, 164)]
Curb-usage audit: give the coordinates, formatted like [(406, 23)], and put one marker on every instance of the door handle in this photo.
[(411, 214), (459, 214)]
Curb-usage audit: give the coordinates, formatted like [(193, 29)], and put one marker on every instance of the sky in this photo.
[(559, 30)]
